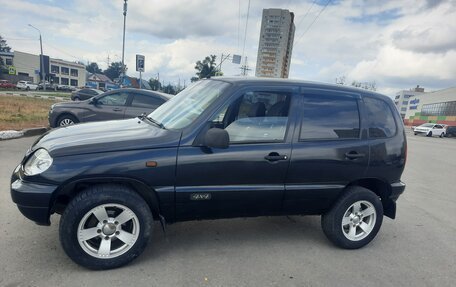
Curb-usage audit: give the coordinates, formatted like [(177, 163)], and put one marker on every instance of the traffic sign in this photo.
[(140, 59)]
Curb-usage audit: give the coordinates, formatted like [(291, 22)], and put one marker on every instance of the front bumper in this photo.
[(32, 199)]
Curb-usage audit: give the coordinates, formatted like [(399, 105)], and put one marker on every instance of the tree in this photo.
[(370, 86), (206, 69), (155, 84), (169, 89), (114, 70), (3, 48), (93, 68)]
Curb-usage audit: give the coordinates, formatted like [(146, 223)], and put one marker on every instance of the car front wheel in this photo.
[(355, 218), (429, 134), (66, 120), (105, 226)]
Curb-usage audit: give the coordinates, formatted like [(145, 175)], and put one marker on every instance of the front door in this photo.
[(329, 151), (109, 107), (247, 178)]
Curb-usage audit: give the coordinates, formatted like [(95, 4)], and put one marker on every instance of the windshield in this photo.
[(182, 109), (427, 125)]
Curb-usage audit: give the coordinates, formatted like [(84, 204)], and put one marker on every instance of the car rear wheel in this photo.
[(355, 218), (105, 226), (441, 135), (66, 120)]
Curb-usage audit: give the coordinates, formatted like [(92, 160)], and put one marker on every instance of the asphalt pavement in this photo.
[(416, 249)]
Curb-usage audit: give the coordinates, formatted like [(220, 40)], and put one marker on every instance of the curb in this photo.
[(12, 134)]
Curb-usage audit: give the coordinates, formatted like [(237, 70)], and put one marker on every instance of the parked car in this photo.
[(49, 86), (223, 147), (66, 88), (26, 85), (117, 104), (85, 94), (5, 84), (430, 129), (450, 131)]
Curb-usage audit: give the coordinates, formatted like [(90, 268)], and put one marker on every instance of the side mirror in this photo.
[(217, 138), (93, 101)]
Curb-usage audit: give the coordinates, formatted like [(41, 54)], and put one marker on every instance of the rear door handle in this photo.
[(273, 156), (354, 155), (117, 109)]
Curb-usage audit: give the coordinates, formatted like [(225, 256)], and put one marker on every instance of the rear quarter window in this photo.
[(381, 121)]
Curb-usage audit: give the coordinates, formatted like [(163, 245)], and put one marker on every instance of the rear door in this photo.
[(110, 106), (329, 150), (142, 103)]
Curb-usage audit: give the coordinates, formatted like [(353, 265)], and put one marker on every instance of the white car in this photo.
[(26, 85), (430, 129)]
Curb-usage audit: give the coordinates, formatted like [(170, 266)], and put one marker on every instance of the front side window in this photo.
[(185, 107), (255, 117), (381, 120), (115, 99), (326, 117)]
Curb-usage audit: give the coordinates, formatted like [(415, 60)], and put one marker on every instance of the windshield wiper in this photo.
[(144, 116)]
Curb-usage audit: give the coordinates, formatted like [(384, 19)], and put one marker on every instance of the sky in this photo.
[(396, 44)]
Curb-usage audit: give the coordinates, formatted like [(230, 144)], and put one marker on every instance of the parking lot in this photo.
[(416, 249)]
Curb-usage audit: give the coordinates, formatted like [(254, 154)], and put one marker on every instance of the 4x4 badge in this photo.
[(200, 196)]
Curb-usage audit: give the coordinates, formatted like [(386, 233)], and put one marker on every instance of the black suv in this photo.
[(224, 147)]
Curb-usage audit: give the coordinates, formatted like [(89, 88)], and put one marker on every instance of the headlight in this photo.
[(39, 162)]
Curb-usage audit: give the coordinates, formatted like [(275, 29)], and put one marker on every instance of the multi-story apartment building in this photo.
[(276, 43)]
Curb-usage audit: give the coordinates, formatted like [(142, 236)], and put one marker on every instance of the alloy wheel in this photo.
[(108, 231), (359, 220)]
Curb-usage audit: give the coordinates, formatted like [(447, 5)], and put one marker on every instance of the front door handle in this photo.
[(274, 156), (117, 109), (354, 155)]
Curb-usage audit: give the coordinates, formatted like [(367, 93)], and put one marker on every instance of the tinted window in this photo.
[(143, 101), (256, 116), (381, 120), (328, 117), (116, 99)]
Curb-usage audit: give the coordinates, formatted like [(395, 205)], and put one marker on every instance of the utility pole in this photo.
[(245, 68), (123, 41), (42, 72)]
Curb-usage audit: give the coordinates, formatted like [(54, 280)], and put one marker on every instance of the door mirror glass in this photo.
[(217, 138), (93, 101)]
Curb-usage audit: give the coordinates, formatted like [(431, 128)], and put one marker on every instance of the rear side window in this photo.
[(380, 118), (329, 117), (143, 101)]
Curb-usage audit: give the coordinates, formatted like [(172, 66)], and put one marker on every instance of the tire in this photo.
[(347, 230), (416, 133), (441, 135), (27, 89), (429, 134), (66, 120), (115, 200), (76, 99)]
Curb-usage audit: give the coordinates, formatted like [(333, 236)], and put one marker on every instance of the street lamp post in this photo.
[(123, 42), (42, 72)]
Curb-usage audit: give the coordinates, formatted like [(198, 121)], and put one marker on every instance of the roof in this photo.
[(144, 91), (101, 77), (294, 82)]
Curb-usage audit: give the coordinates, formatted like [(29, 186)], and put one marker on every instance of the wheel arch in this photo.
[(63, 114), (68, 191), (380, 188)]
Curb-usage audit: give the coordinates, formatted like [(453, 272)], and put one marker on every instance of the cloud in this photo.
[(398, 44)]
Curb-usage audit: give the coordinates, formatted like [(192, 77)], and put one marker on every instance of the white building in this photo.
[(57, 71), (402, 99), (276, 43), (436, 107)]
